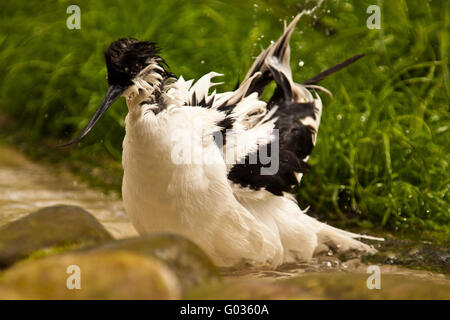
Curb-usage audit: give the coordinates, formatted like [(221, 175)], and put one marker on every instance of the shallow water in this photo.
[(333, 264), (26, 186)]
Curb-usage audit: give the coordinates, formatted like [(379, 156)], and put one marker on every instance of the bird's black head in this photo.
[(126, 60)]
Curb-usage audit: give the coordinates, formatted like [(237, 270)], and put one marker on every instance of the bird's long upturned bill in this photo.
[(114, 92)]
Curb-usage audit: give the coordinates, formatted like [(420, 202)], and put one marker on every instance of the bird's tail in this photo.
[(304, 237), (341, 241)]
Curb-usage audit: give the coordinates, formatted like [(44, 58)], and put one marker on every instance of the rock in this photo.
[(248, 289), (107, 275), (49, 230), (330, 285), (346, 285), (191, 265)]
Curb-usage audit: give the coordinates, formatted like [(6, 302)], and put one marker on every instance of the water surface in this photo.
[(26, 186)]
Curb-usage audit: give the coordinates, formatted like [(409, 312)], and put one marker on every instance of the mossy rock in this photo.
[(248, 289), (49, 230), (333, 285), (107, 275), (191, 265), (346, 285)]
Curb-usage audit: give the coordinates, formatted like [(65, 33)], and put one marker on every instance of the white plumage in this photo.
[(182, 153)]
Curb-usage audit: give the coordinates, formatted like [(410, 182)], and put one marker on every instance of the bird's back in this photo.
[(219, 168)]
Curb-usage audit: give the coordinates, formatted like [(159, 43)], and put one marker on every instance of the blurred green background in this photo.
[(381, 161)]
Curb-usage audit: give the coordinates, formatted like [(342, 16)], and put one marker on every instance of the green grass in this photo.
[(382, 155)]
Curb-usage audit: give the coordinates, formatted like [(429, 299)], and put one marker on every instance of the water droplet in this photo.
[(301, 63), (202, 62), (339, 117)]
